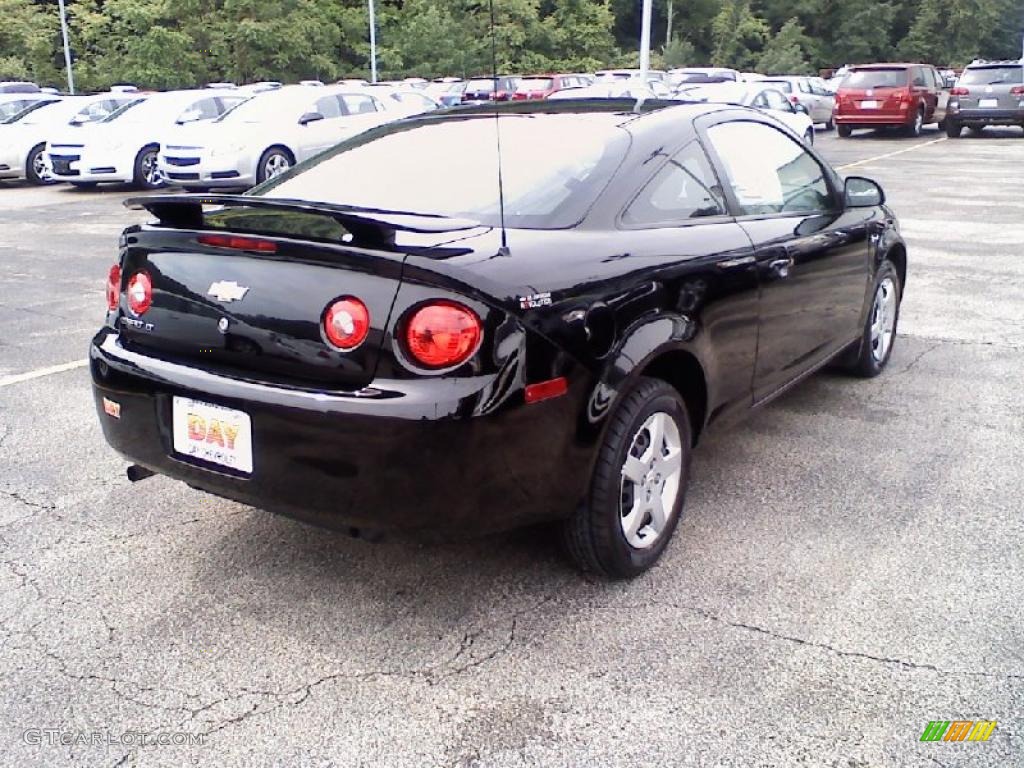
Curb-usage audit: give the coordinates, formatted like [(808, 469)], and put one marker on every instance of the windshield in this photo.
[(480, 85), (121, 110), (875, 78), (725, 94), (783, 85), (449, 167), (27, 110), (269, 106), (9, 109), (1003, 75), (534, 84)]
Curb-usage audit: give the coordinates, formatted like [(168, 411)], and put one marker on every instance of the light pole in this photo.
[(645, 41), (373, 45), (67, 48)]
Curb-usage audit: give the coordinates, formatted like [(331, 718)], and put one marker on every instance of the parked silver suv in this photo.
[(987, 93)]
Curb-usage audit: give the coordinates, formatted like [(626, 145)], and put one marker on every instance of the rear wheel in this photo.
[(953, 129), (273, 162), (872, 353), (638, 486), (915, 128), (146, 174), (829, 124), (844, 131), (35, 167)]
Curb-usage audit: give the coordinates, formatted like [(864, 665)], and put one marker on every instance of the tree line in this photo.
[(180, 43)]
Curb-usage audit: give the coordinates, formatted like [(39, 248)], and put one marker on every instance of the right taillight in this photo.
[(958, 91), (1017, 90), (113, 287), (140, 292), (442, 334)]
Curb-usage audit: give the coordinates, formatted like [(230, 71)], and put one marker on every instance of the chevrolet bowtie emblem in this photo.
[(226, 291)]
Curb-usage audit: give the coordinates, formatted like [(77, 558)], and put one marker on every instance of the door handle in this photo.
[(781, 267)]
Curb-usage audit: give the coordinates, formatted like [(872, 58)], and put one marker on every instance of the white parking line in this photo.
[(891, 154), (39, 373)]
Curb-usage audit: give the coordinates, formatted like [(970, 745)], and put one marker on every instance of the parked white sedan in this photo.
[(759, 96), (268, 134), (123, 146), (818, 102), (23, 136)]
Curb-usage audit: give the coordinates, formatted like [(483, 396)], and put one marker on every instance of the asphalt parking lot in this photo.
[(849, 567)]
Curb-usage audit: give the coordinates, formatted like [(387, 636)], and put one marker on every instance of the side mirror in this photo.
[(310, 117), (191, 116), (863, 193)]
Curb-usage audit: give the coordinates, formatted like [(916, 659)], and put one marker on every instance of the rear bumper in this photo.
[(420, 455), (868, 119), (989, 116)]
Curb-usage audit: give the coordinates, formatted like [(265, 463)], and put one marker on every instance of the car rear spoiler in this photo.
[(186, 211)]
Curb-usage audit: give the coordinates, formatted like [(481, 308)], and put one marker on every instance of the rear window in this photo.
[(480, 85), (783, 85), (534, 84), (1010, 74), (449, 167), (875, 78)]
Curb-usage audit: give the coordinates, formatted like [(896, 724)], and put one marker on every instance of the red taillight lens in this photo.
[(795, 99), (239, 243), (113, 287), (1017, 90), (958, 91), (442, 334), (140, 292), (346, 323)]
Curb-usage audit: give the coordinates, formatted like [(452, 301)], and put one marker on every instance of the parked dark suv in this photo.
[(907, 96), (987, 93)]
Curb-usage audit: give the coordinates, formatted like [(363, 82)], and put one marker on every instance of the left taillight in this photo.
[(140, 292), (113, 287), (442, 334)]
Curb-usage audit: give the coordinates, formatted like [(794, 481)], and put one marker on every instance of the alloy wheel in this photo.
[(276, 165), (150, 171), (650, 480), (39, 168), (883, 319)]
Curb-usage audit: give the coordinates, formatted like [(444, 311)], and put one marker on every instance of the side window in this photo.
[(939, 82), (228, 102), (919, 81), (328, 106), (760, 101), (684, 188), (358, 103), (777, 101), (768, 171)]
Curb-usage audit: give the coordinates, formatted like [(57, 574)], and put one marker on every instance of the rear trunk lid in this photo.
[(254, 309)]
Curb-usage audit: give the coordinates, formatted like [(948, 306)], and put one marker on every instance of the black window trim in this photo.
[(832, 180)]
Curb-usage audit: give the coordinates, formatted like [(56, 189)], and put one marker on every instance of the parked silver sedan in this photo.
[(818, 102)]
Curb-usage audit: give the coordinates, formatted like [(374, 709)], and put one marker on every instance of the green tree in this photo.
[(679, 53), (738, 34), (784, 53)]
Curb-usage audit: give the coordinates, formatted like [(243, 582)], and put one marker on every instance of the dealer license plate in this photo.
[(988, 103), (869, 105), (212, 433)]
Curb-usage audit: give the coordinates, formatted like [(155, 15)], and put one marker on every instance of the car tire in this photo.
[(809, 137), (829, 125), (953, 129), (145, 174), (600, 537), (844, 131), (868, 357), (35, 169), (915, 128), (273, 162)]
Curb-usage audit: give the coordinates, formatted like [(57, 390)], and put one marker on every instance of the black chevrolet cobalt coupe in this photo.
[(385, 337)]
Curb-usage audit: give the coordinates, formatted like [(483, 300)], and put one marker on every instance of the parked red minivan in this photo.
[(542, 86), (907, 96)]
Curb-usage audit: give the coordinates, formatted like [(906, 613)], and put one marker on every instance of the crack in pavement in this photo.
[(917, 359), (963, 342), (911, 665)]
